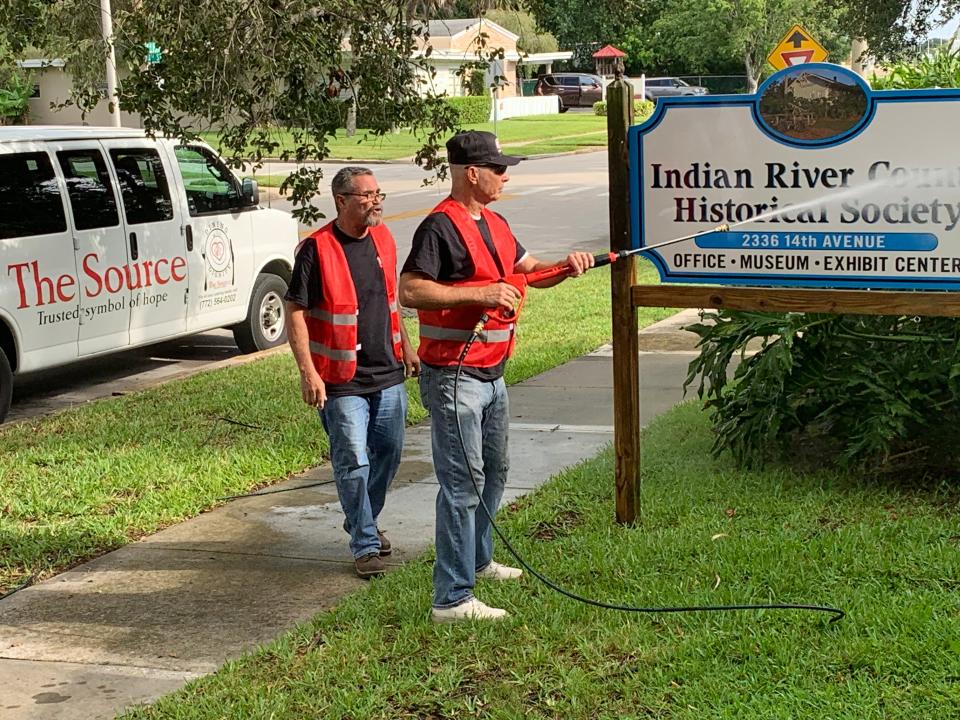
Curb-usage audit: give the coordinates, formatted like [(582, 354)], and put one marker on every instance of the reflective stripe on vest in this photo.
[(487, 336), (333, 318), (338, 355)]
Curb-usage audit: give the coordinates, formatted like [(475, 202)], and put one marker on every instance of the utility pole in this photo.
[(106, 25), (859, 62)]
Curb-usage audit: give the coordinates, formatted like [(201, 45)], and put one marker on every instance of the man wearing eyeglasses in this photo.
[(460, 254), (353, 354)]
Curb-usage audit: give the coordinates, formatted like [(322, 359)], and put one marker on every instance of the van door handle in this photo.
[(189, 233), (134, 251)]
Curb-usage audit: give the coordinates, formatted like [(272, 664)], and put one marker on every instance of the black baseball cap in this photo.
[(477, 147)]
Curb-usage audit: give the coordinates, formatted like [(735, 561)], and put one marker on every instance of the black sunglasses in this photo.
[(495, 169)]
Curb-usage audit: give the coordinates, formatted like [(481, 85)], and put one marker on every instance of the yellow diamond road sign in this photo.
[(796, 47)]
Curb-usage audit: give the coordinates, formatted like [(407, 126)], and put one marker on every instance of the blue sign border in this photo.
[(874, 98)]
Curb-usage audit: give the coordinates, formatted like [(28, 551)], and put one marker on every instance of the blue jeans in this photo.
[(366, 440), (464, 537)]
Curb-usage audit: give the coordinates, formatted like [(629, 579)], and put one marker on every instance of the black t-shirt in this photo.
[(377, 366), (439, 253)]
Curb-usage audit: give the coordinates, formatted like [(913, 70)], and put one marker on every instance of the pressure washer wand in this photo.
[(521, 280), (611, 257)]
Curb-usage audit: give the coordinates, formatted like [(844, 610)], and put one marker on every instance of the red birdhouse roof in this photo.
[(609, 52)]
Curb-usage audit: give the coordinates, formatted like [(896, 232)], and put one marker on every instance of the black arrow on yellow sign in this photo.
[(798, 38)]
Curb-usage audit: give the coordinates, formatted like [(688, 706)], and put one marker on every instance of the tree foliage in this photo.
[(250, 69), (522, 23), (745, 30), (892, 28)]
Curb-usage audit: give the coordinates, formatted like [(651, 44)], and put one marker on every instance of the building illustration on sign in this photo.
[(814, 178)]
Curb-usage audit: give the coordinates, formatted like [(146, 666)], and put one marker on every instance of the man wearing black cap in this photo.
[(460, 253)]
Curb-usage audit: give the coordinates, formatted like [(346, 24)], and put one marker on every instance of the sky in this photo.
[(947, 30)]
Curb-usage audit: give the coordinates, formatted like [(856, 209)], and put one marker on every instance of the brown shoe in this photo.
[(385, 547), (370, 565)]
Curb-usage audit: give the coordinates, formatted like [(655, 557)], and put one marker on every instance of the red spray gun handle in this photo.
[(521, 280)]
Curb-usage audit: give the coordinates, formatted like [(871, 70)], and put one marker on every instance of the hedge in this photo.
[(641, 108), (472, 109)]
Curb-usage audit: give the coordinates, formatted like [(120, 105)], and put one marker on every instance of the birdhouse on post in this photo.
[(607, 59)]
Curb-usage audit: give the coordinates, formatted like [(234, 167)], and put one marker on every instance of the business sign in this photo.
[(814, 181), (796, 48)]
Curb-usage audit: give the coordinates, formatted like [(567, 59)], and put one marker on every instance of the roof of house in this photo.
[(454, 26), (609, 51)]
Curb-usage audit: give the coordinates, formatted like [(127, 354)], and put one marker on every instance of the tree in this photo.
[(894, 28), (745, 29), (249, 69), (522, 23)]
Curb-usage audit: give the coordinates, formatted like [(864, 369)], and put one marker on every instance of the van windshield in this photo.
[(210, 186)]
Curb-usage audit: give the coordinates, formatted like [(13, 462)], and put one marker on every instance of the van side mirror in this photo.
[(250, 192)]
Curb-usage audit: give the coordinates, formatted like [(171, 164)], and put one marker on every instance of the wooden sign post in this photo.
[(626, 373)]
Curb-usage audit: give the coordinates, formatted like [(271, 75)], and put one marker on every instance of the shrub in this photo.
[(472, 109), (941, 68), (642, 109), (15, 94), (870, 389)]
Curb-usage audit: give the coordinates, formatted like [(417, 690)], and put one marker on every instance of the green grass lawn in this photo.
[(709, 534), (545, 130), (88, 480)]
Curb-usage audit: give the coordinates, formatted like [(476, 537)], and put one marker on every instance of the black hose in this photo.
[(837, 613)]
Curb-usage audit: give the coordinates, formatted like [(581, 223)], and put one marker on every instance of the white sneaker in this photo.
[(472, 609), (496, 571)]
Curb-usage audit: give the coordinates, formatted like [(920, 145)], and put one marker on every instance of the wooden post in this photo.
[(626, 372)]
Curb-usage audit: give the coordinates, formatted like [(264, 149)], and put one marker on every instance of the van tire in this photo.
[(6, 385), (265, 326)]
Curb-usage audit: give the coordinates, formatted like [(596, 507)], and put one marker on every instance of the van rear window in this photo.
[(89, 188), (30, 201)]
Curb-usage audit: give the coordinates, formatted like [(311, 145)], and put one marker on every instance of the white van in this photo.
[(110, 239)]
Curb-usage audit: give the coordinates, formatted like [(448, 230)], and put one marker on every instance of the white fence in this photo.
[(517, 106)]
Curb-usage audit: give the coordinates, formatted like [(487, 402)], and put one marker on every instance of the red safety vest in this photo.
[(443, 333), (332, 325)]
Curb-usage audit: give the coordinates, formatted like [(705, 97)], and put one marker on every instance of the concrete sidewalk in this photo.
[(140, 622)]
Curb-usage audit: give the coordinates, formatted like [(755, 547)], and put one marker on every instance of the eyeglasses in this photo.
[(495, 169), (368, 196)]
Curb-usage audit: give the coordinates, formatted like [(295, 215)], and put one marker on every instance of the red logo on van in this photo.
[(37, 289)]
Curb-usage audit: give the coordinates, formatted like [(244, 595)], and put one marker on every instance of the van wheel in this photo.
[(265, 326), (563, 108), (6, 385)]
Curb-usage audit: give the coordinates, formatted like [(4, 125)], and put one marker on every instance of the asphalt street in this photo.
[(554, 205)]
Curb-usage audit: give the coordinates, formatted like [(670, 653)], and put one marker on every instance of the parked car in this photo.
[(110, 239), (659, 87), (573, 89)]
